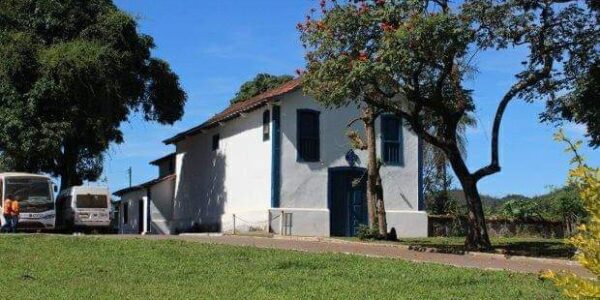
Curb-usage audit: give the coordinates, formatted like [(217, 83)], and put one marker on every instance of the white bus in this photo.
[(35, 194), (83, 208)]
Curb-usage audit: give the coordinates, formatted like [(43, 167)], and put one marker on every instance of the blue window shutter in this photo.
[(308, 135), (392, 140), (276, 158)]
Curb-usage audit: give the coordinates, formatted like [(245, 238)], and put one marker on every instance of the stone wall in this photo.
[(456, 226)]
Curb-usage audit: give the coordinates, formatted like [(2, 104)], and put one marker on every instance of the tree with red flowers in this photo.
[(411, 58)]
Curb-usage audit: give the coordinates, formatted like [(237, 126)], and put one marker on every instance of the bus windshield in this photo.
[(91, 201), (34, 194)]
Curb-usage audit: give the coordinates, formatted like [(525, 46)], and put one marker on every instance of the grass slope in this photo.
[(41, 267)]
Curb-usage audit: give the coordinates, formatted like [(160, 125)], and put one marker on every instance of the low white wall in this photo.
[(407, 223), (246, 221), (305, 222)]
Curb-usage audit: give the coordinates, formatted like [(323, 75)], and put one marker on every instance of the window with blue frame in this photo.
[(391, 140), (308, 137)]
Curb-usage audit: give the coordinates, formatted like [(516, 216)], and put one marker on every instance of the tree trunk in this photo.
[(375, 202), (477, 235), (68, 168), (369, 122), (381, 217)]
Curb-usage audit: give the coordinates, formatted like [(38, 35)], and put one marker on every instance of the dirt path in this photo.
[(318, 245)]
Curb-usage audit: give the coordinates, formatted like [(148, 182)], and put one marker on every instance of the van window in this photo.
[(91, 201)]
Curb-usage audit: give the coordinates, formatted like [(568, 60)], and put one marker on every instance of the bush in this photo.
[(587, 241), (366, 233)]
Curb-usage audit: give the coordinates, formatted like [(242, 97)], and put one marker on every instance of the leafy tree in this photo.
[(568, 207), (581, 106), (587, 241), (411, 58), (260, 84), (70, 73), (522, 209)]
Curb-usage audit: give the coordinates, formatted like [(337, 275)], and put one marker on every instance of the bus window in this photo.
[(34, 195)]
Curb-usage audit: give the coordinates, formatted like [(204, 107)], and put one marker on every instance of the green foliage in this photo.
[(514, 209), (441, 203), (580, 106), (587, 240), (258, 85), (70, 74), (559, 204), (364, 232)]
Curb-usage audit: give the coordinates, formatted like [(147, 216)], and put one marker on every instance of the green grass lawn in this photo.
[(42, 267)]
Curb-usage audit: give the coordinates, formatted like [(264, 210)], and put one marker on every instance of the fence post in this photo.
[(281, 225), (234, 224)]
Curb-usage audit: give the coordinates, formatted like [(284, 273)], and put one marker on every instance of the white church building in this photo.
[(281, 163)]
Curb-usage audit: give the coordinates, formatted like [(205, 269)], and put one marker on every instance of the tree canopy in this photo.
[(259, 84), (581, 106), (70, 73), (412, 58)]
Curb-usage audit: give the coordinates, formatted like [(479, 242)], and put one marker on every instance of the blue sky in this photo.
[(215, 46)]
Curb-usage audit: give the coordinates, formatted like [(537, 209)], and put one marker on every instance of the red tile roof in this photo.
[(234, 110)]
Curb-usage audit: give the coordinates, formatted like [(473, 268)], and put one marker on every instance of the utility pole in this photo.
[(129, 173)]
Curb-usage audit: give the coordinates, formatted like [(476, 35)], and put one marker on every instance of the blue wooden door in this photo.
[(358, 210), (347, 203)]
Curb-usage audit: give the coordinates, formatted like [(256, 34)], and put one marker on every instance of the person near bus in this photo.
[(6, 213), (14, 212)]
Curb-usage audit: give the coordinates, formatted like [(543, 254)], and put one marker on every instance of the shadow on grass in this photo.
[(536, 248)]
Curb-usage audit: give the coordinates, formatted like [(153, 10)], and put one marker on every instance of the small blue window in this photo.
[(391, 140)]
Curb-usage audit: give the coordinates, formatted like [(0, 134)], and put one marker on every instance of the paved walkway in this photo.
[(320, 245)]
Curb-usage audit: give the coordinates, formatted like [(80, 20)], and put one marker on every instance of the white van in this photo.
[(83, 208)]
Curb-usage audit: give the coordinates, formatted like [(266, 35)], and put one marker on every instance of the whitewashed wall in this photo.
[(161, 206), (212, 185)]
